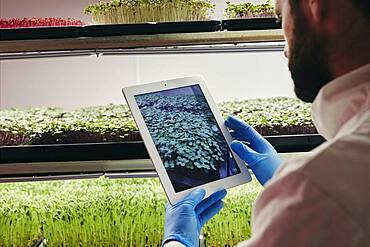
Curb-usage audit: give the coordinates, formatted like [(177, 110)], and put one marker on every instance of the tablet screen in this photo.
[(187, 136)]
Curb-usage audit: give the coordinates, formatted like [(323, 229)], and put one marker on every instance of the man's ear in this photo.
[(318, 10)]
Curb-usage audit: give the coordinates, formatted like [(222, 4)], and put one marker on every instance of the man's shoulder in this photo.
[(343, 155), (340, 169)]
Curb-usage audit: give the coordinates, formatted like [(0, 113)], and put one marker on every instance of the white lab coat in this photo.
[(323, 199)]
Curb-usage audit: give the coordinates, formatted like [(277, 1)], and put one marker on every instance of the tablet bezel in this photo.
[(173, 196)]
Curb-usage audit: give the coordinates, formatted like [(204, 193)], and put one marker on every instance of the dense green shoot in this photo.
[(114, 123), (105, 212), (249, 10), (141, 11)]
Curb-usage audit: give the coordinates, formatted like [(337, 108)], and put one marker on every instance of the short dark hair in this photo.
[(362, 5)]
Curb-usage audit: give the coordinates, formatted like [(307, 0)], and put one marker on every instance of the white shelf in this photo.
[(136, 43)]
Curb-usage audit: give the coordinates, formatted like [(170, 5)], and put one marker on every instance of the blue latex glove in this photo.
[(259, 154), (185, 219)]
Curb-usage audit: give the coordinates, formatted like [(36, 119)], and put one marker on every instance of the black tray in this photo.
[(39, 33), (136, 29), (150, 28), (126, 150), (250, 24)]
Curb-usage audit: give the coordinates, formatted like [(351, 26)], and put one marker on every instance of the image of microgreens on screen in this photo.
[(187, 137)]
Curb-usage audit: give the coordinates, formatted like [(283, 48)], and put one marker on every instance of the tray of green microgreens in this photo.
[(110, 133), (143, 11), (129, 17), (48, 125), (273, 116), (109, 212), (114, 123), (249, 10), (249, 16)]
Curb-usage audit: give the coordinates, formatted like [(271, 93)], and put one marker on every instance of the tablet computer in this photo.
[(185, 136)]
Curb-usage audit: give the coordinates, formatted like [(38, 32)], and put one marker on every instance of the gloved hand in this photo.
[(185, 219), (259, 154)]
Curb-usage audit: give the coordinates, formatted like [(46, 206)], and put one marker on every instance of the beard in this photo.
[(308, 60)]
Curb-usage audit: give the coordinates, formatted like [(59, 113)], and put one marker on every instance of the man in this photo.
[(322, 199)]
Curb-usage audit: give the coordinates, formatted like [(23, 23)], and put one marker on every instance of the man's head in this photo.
[(325, 39)]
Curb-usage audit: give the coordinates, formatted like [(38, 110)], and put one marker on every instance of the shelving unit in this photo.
[(156, 43), (40, 162), (25, 163)]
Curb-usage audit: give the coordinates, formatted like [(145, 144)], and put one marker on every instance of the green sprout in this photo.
[(104, 212), (114, 123), (141, 11), (249, 10)]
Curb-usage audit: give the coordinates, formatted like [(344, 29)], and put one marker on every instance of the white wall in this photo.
[(85, 81)]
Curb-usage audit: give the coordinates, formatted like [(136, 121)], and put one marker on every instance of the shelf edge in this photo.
[(140, 41)]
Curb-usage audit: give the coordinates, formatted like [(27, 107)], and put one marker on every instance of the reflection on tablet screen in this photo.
[(187, 137)]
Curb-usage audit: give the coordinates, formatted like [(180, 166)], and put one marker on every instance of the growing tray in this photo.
[(126, 150), (250, 24), (137, 29), (108, 30), (26, 33), (150, 28)]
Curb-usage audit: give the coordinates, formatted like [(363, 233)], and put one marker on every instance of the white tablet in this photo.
[(185, 136)]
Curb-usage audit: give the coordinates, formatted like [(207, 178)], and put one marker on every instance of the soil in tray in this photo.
[(85, 137), (286, 130), (12, 139)]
